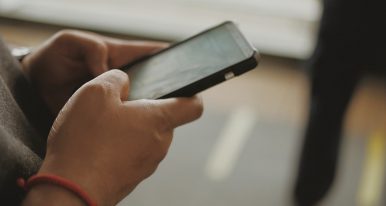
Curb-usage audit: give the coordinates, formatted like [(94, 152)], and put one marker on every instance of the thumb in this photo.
[(177, 111), (115, 81)]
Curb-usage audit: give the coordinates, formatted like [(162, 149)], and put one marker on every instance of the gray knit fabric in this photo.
[(24, 125)]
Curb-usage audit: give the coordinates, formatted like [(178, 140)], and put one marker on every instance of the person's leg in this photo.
[(336, 70), (331, 93)]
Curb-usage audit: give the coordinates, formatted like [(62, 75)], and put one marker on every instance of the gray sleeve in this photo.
[(24, 93), (24, 124), (16, 160)]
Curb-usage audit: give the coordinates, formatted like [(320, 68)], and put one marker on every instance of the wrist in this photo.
[(59, 183), (52, 195), (86, 181)]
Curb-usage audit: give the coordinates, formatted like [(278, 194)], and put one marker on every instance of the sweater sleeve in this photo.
[(24, 93), (24, 125), (16, 160)]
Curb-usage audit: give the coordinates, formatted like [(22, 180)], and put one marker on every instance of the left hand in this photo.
[(71, 58)]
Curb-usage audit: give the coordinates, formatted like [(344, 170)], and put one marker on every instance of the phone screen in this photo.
[(185, 63)]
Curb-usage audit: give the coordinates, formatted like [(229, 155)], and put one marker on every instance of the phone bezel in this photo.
[(239, 68)]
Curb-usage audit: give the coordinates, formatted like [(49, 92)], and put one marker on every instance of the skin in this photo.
[(100, 141), (70, 58)]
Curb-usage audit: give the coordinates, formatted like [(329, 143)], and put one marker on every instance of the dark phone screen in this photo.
[(184, 64)]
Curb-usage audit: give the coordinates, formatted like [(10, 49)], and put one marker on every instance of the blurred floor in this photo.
[(265, 110)]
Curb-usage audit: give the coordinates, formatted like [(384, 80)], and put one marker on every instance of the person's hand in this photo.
[(70, 58), (108, 145)]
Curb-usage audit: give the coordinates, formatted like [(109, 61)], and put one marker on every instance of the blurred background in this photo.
[(244, 150)]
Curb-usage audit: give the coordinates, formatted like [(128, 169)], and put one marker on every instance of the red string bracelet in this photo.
[(56, 180)]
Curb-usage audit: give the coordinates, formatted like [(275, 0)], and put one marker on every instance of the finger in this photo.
[(91, 48), (122, 52), (116, 81), (97, 58), (178, 111), (96, 55)]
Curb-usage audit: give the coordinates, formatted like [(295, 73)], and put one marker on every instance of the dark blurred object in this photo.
[(351, 43)]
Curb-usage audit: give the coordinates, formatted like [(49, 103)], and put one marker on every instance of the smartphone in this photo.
[(193, 65)]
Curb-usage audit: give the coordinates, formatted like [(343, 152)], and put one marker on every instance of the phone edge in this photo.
[(215, 78)]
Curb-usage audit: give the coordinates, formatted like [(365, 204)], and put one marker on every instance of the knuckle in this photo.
[(162, 141), (118, 75), (93, 43), (95, 89), (198, 108), (64, 35), (149, 171), (163, 152), (99, 46), (165, 122), (158, 156), (161, 117)]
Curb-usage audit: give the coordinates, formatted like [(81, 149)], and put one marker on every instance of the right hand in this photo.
[(108, 145)]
